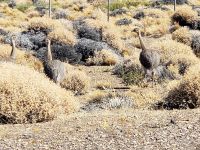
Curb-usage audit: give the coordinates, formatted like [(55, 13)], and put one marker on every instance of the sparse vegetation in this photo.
[(28, 96), (101, 74)]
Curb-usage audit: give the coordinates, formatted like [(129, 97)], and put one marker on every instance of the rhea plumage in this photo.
[(13, 51), (149, 58), (54, 69)]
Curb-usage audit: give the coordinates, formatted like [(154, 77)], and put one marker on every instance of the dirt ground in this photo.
[(122, 129)]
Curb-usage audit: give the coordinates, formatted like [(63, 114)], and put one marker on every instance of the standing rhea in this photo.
[(54, 69), (13, 51), (149, 58)]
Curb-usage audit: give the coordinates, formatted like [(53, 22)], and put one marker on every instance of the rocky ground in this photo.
[(122, 129)]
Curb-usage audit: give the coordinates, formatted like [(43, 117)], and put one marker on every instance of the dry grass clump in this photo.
[(110, 32), (182, 35), (144, 97), (62, 35), (13, 17), (180, 54), (187, 94), (103, 57), (156, 27), (130, 71), (27, 96), (22, 57), (184, 15), (77, 81), (44, 23)]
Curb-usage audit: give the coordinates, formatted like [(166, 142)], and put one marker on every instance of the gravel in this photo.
[(114, 130)]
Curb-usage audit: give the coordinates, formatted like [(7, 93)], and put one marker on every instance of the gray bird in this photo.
[(13, 51), (149, 58), (54, 69)]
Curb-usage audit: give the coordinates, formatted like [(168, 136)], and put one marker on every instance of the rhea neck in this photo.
[(13, 52), (141, 41), (49, 55)]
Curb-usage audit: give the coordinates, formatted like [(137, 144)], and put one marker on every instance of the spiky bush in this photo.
[(77, 81), (182, 35), (184, 16), (187, 94), (63, 36), (27, 96), (104, 57), (181, 55), (131, 72)]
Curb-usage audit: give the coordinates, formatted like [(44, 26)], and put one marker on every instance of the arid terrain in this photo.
[(73, 79)]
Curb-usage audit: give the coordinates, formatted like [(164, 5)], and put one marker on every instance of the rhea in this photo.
[(54, 69), (149, 58), (13, 51)]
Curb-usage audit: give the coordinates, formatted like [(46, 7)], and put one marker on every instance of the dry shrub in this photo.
[(77, 81), (110, 32), (33, 13), (144, 97), (180, 54), (104, 57), (27, 96), (184, 15), (22, 57), (187, 94), (44, 23), (182, 35), (62, 35), (130, 71), (156, 26)]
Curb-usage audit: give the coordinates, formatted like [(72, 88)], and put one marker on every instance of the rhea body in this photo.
[(149, 58), (13, 53), (54, 69)]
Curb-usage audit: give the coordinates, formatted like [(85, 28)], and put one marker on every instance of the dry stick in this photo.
[(49, 8), (108, 13), (174, 5)]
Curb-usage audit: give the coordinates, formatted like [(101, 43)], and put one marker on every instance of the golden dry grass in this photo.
[(22, 57), (184, 14), (187, 93), (77, 81), (110, 32), (62, 35), (40, 23), (103, 57), (182, 35), (28, 96), (180, 54)]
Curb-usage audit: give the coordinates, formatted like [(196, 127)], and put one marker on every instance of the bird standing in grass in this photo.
[(54, 69), (13, 51), (149, 58)]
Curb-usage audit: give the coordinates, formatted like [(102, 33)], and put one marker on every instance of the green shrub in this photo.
[(24, 6), (127, 3)]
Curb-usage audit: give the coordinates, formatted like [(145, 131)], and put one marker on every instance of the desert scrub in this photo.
[(44, 23), (111, 33), (116, 4), (23, 57), (61, 35), (130, 72), (187, 94), (76, 81), (184, 15), (23, 6), (182, 35), (181, 55), (103, 57), (28, 96)]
